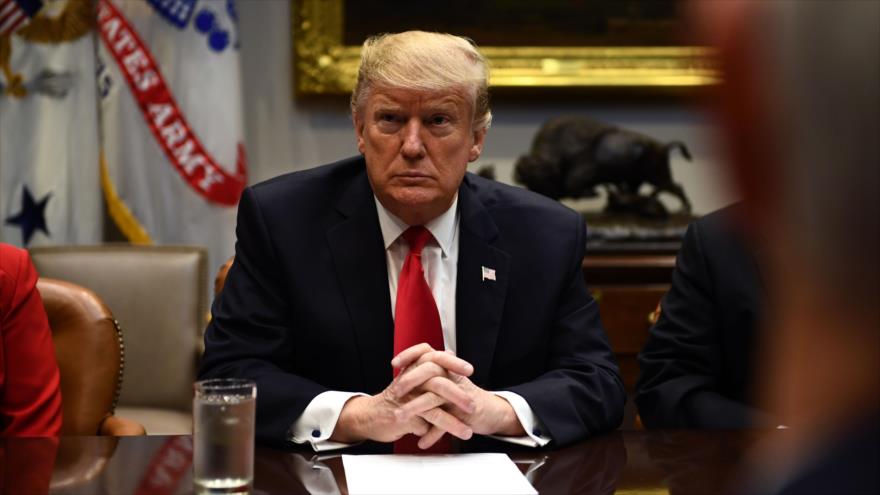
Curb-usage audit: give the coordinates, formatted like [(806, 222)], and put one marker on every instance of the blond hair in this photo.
[(424, 61)]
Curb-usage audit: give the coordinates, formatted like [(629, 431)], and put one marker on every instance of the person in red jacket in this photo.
[(30, 393)]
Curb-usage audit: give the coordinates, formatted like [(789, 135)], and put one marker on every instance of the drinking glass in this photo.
[(224, 411)]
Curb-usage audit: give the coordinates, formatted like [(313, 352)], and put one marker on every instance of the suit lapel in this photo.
[(479, 300), (359, 257)]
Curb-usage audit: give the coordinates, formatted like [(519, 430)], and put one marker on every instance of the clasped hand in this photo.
[(430, 396)]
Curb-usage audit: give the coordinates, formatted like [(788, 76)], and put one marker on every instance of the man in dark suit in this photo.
[(341, 268), (696, 368)]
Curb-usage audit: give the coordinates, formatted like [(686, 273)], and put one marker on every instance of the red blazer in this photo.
[(30, 393)]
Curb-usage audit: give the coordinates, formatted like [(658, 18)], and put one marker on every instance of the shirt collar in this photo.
[(442, 227)]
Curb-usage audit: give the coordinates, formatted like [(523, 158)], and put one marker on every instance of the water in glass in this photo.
[(224, 441)]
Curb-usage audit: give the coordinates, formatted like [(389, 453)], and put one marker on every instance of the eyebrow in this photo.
[(447, 105), (383, 108), (386, 100)]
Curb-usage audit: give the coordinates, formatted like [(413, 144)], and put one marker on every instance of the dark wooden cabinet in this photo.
[(628, 287)]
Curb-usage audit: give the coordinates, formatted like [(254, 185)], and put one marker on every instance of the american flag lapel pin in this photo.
[(488, 273)]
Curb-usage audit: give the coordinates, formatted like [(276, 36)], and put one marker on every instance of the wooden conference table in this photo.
[(632, 462)]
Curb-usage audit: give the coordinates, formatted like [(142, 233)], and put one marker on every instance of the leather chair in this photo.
[(159, 296), (89, 351), (220, 279)]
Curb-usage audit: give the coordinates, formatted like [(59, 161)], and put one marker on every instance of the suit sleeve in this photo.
[(679, 363), (31, 386), (581, 394), (249, 334)]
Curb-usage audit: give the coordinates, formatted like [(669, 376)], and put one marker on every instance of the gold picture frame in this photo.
[(324, 65)]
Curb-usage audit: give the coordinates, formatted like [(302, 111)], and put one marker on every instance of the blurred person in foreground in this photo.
[(393, 293), (30, 384), (801, 114)]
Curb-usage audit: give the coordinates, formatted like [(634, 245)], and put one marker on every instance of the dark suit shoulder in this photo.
[(525, 207), (720, 244), (713, 246), (720, 226)]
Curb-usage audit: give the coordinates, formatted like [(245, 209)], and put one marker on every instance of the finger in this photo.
[(423, 403), (414, 377), (431, 437), (447, 422), (445, 391), (449, 361), (455, 377), (410, 355), (451, 393), (422, 353), (419, 427)]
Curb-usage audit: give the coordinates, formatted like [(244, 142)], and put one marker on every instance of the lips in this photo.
[(415, 174), (413, 177)]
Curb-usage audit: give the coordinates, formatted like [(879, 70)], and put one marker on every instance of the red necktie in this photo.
[(416, 320)]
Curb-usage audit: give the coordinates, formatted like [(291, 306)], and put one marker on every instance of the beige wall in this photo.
[(285, 134)]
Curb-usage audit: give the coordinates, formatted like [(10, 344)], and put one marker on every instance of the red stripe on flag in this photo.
[(8, 11), (6, 6), (12, 22), (169, 126)]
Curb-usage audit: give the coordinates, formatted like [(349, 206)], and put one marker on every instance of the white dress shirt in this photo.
[(440, 264)]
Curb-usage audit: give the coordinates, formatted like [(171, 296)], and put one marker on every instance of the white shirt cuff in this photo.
[(318, 420), (535, 431)]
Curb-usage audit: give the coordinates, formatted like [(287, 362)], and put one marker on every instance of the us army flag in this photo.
[(49, 174), (173, 154)]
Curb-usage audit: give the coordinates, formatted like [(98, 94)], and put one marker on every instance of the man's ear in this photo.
[(477, 146), (358, 132)]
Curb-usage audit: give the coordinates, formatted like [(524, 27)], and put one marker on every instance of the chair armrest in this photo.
[(120, 427)]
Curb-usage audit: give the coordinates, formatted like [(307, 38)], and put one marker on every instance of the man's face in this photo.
[(417, 146)]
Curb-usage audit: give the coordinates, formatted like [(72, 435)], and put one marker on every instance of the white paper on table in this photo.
[(434, 474)]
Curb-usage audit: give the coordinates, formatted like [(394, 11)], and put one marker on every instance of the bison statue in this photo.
[(572, 156)]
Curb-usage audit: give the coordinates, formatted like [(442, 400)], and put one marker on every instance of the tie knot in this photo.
[(417, 236)]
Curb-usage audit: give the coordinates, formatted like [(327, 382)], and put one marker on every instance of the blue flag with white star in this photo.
[(49, 162)]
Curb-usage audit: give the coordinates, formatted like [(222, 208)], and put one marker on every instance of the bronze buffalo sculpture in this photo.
[(572, 156)]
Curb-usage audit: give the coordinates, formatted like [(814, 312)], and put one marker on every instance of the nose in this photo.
[(412, 148)]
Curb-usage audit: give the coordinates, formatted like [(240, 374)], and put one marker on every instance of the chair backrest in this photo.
[(158, 295), (220, 279), (88, 348)]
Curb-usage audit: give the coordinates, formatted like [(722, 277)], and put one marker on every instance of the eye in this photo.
[(439, 120), (388, 122)]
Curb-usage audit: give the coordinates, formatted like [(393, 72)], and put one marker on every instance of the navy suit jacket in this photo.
[(306, 306), (696, 367)]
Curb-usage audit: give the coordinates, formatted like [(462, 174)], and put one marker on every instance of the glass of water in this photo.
[(224, 411)]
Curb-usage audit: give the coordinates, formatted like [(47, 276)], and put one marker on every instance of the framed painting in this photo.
[(530, 44)]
